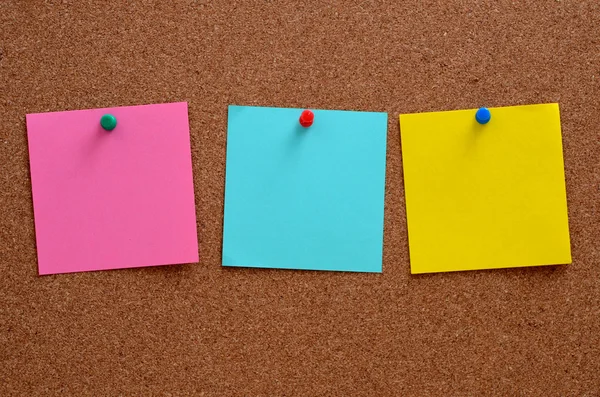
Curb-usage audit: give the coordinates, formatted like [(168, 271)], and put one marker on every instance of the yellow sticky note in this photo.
[(485, 196)]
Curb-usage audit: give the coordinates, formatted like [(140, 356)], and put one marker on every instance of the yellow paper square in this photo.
[(485, 196)]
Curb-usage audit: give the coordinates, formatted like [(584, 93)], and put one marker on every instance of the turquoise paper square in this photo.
[(304, 198)]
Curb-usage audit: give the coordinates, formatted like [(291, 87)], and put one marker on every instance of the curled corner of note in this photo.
[(228, 260)]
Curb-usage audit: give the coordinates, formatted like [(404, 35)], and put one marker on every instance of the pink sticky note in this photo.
[(107, 200)]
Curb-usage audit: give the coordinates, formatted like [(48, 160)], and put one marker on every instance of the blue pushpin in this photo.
[(483, 115)]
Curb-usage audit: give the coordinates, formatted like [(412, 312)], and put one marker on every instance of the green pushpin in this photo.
[(108, 122)]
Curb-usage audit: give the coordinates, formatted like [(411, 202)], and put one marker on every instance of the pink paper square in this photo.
[(108, 200)]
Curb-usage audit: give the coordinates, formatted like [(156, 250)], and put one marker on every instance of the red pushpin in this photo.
[(306, 118)]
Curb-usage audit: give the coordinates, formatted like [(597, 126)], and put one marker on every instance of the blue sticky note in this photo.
[(304, 198)]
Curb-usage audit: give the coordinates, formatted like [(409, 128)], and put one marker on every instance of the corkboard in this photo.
[(201, 329)]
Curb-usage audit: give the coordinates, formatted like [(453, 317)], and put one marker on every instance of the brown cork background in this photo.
[(200, 329)]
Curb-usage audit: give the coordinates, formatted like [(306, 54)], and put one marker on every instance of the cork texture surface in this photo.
[(200, 329)]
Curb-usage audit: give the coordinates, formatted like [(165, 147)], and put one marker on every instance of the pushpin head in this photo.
[(483, 115), (306, 118), (108, 122)]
